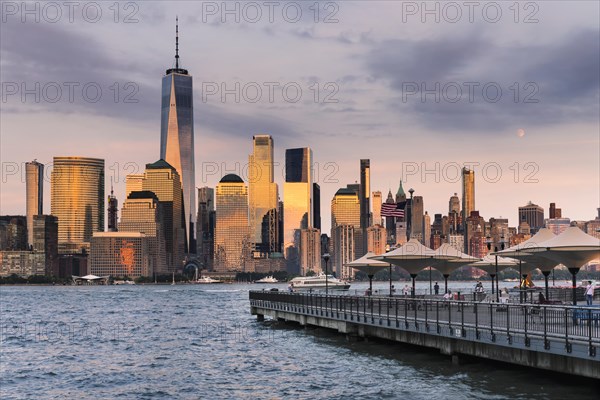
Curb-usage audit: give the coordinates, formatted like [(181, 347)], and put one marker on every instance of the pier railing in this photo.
[(545, 324)]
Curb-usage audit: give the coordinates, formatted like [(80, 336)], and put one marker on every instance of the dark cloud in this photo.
[(557, 83), (51, 55)]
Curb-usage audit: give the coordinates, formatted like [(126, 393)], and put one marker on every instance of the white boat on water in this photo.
[(318, 282), (267, 279), (208, 279)]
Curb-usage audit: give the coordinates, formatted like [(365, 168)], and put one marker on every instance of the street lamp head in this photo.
[(326, 257)]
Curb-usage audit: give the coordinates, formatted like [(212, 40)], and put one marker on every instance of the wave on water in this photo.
[(222, 290)]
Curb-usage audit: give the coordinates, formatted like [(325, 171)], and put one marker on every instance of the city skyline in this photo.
[(395, 139)]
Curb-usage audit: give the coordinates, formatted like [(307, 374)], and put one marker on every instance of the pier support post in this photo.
[(260, 317)]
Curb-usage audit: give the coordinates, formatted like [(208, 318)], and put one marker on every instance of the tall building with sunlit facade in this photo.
[(376, 220), (142, 212), (34, 188), (345, 210), (310, 251), (232, 231), (177, 138), (77, 200), (468, 200), (297, 202), (162, 179), (262, 194)]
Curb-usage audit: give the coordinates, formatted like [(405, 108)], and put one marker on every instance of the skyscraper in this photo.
[(417, 227), (45, 240), (205, 227), (34, 190), (533, 215), (365, 203), (468, 201), (376, 209), (297, 202), (316, 206), (142, 212), (133, 183), (376, 238), (426, 230), (162, 179), (232, 231), (77, 200), (262, 191), (468, 192), (177, 137), (345, 211), (310, 251)]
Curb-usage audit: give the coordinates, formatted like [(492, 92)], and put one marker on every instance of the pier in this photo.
[(563, 339)]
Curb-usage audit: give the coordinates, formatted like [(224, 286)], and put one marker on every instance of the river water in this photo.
[(200, 341)]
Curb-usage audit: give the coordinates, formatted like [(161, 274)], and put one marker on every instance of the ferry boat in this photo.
[(318, 282), (208, 279), (267, 279)]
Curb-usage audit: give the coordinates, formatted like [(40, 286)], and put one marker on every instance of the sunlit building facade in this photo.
[(177, 138), (142, 212), (376, 220), (232, 231), (120, 254), (468, 200), (298, 202), (310, 251), (77, 200), (163, 180), (345, 210), (344, 250), (133, 183), (262, 194), (376, 239), (34, 188)]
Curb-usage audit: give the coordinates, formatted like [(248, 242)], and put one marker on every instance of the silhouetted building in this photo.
[(364, 196), (205, 226), (533, 215)]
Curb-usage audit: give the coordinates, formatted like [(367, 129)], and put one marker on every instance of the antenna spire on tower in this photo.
[(177, 42)]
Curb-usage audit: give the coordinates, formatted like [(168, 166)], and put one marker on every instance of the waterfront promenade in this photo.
[(559, 338)]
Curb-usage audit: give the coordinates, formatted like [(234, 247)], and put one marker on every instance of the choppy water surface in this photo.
[(200, 341)]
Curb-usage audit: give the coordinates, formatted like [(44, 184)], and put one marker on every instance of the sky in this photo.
[(420, 89)]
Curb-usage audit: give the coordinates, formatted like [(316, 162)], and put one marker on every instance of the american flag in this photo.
[(391, 210)]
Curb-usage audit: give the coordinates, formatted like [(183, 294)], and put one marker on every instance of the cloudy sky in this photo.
[(511, 90)]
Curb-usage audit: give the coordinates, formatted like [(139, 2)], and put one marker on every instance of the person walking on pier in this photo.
[(589, 293), (406, 290), (436, 289)]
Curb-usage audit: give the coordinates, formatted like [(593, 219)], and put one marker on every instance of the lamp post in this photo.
[(326, 258), (495, 276)]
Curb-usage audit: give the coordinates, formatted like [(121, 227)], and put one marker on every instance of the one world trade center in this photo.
[(177, 136)]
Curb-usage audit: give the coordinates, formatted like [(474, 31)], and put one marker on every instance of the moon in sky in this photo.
[(521, 132)]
